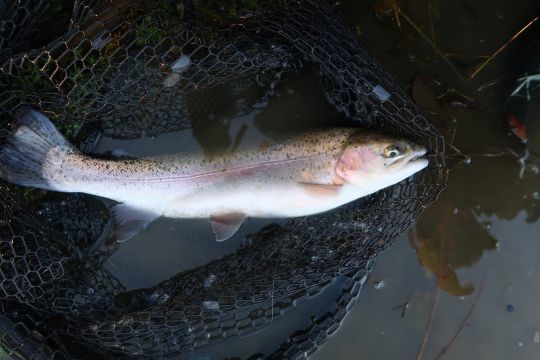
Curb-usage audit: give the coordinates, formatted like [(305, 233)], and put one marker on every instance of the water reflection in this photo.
[(449, 236), (470, 114), (447, 239), (485, 223), (218, 119)]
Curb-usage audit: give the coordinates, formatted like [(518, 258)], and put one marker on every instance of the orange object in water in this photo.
[(518, 128)]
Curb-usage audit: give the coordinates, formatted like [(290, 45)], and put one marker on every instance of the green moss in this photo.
[(32, 80), (148, 31), (252, 4), (359, 32), (27, 198), (31, 195), (230, 9), (70, 127), (85, 73)]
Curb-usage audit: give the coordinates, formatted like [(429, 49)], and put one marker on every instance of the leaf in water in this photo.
[(445, 242)]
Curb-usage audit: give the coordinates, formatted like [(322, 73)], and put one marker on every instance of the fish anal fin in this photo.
[(129, 221), (321, 189), (225, 226)]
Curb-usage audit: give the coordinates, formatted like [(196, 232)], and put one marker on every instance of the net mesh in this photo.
[(131, 68)]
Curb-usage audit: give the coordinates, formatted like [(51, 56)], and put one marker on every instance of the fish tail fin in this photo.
[(26, 150)]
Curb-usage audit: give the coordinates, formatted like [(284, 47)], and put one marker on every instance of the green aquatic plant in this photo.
[(148, 31), (87, 84), (32, 79), (31, 195)]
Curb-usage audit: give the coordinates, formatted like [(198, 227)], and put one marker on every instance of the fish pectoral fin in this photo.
[(321, 189), (225, 226), (129, 221)]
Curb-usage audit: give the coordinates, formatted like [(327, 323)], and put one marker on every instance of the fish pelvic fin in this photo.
[(129, 221), (225, 226), (26, 150)]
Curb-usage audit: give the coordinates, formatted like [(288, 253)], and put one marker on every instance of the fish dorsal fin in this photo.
[(129, 221), (225, 226), (321, 189)]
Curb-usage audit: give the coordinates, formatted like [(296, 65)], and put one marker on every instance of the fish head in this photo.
[(372, 161)]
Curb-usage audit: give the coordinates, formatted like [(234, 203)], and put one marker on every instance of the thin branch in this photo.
[(425, 37), (489, 59), (432, 27), (457, 92), (396, 15), (491, 83), (430, 321)]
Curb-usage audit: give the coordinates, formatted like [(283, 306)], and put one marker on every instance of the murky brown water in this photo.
[(480, 242), (471, 264)]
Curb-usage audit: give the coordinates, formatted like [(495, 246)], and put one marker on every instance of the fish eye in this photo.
[(392, 151)]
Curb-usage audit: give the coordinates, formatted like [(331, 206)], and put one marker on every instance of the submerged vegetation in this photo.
[(148, 31)]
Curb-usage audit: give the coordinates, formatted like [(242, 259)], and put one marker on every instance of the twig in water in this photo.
[(430, 13), (522, 164), (526, 82), (490, 83), (469, 313), (430, 320), (466, 159), (454, 91), (396, 15), (425, 37), (456, 55), (403, 306), (489, 59)]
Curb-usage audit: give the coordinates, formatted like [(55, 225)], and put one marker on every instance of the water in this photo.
[(469, 268), (169, 246), (480, 241), (181, 244)]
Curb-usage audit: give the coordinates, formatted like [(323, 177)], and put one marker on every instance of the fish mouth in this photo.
[(418, 155), (417, 158), (414, 160)]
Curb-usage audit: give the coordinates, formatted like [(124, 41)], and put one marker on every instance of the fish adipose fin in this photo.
[(225, 226), (321, 189), (129, 221), (26, 150)]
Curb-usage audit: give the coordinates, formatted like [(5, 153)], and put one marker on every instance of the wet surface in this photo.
[(467, 274), (181, 244), (463, 282), (479, 243)]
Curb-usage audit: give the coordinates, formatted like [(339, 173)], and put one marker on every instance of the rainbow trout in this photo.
[(308, 174)]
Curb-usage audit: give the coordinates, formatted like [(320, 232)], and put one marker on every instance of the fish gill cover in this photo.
[(129, 68)]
